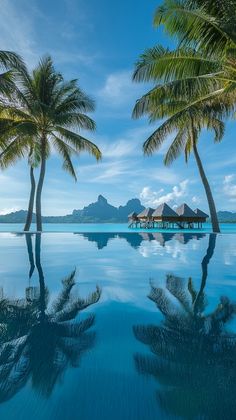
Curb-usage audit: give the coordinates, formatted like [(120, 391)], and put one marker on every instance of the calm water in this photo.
[(117, 326), (105, 227)]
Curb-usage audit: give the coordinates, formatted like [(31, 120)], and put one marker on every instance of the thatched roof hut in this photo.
[(164, 213), (201, 215), (185, 213), (146, 213), (132, 216)]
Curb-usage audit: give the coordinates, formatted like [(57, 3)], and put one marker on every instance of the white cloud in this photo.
[(196, 200), (119, 90), (155, 198), (116, 89), (128, 143), (229, 187), (8, 210)]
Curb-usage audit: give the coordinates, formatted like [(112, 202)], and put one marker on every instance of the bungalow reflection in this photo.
[(136, 239), (40, 340)]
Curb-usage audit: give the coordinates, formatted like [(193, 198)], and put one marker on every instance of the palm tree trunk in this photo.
[(211, 203), (40, 186), (31, 201)]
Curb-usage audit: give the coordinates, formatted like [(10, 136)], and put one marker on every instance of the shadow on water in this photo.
[(38, 340), (193, 355), (135, 239)]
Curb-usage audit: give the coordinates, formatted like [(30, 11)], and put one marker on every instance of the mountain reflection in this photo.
[(135, 239), (193, 355), (38, 341)]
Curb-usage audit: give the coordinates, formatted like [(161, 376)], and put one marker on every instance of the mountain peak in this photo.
[(101, 199)]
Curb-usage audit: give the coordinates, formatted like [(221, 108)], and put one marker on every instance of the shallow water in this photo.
[(126, 356), (107, 227)]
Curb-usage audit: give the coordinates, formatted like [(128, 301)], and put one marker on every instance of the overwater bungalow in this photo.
[(144, 219), (188, 218), (201, 216), (133, 216), (165, 217)]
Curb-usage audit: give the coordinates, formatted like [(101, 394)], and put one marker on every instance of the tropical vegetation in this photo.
[(8, 62), (44, 113), (195, 83)]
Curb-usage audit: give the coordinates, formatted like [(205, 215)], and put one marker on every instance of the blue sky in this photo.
[(98, 42)]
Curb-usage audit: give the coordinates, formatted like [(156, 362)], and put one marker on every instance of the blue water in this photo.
[(106, 227), (171, 355)]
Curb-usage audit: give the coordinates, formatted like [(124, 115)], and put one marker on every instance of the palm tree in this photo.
[(195, 80), (186, 126), (202, 67), (193, 354), (39, 341), (46, 112)]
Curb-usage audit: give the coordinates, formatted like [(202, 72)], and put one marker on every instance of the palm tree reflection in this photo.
[(39, 341), (194, 356)]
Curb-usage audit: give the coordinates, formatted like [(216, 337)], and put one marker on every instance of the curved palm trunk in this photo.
[(211, 203), (31, 201), (40, 186)]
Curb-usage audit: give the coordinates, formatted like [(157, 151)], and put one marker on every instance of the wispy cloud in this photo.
[(120, 91), (17, 29), (128, 143), (229, 187), (117, 88), (196, 200)]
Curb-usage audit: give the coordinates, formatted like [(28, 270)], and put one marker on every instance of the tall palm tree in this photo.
[(186, 126), (39, 340), (193, 353), (46, 112), (198, 78)]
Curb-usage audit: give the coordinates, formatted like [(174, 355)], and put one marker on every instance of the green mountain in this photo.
[(99, 212)]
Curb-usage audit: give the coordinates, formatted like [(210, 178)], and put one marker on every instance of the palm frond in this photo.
[(176, 147), (66, 151), (78, 142), (159, 63), (194, 25)]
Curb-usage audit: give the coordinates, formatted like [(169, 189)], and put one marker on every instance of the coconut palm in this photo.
[(195, 81), (193, 354), (202, 67), (46, 112), (38, 340), (186, 127)]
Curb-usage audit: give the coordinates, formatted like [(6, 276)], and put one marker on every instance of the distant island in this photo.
[(99, 212)]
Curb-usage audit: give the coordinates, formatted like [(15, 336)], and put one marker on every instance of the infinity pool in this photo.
[(134, 326)]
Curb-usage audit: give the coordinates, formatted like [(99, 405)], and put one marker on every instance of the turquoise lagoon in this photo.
[(105, 227), (156, 338)]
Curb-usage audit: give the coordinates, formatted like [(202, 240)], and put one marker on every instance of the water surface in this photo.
[(117, 325), (107, 227)]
